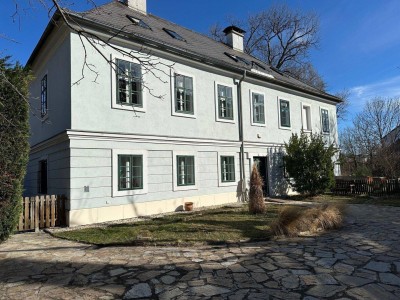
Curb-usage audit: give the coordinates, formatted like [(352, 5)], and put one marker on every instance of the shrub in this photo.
[(309, 164), (294, 220), (256, 197), (14, 147)]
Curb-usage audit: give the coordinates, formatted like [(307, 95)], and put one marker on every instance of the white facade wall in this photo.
[(97, 127), (53, 61)]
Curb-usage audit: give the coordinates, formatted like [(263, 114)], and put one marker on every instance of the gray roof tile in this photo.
[(114, 15)]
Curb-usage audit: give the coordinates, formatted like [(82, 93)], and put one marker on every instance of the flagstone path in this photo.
[(361, 261)]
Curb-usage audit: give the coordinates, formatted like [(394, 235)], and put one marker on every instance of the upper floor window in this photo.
[(258, 108), (227, 168), (129, 83), (325, 120), (185, 170), (184, 94), (306, 117), (225, 102), (43, 96), (130, 172), (284, 109)]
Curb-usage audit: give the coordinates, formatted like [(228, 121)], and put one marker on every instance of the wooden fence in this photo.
[(377, 186), (42, 212)]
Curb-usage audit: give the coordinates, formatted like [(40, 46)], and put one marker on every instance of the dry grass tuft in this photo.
[(294, 220)]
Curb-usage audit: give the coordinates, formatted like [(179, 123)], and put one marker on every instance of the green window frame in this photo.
[(183, 94), (130, 172), (185, 170), (129, 83), (225, 102), (258, 108), (227, 168), (325, 120), (43, 96), (284, 108)]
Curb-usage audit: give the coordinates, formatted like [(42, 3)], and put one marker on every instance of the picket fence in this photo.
[(43, 211)]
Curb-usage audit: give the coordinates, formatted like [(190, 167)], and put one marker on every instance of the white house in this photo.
[(183, 122)]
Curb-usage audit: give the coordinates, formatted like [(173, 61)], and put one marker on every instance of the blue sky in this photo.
[(359, 39)]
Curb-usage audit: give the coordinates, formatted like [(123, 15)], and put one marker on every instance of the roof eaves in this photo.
[(49, 28)]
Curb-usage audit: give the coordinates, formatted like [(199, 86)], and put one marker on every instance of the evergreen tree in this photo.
[(309, 163), (14, 146)]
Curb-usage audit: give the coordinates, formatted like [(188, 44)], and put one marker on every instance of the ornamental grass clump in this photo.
[(295, 220), (256, 197)]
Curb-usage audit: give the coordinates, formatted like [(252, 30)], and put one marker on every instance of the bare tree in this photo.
[(375, 136), (88, 38), (283, 38), (342, 107)]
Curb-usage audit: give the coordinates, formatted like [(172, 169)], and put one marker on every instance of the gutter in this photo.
[(241, 138)]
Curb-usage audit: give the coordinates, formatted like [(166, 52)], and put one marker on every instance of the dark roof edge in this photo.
[(172, 49), (49, 28)]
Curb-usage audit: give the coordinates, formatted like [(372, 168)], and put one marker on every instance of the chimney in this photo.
[(139, 5), (234, 37)]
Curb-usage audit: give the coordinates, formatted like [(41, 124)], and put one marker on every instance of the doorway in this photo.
[(262, 163)]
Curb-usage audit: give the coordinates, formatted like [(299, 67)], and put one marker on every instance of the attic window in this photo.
[(138, 22), (234, 57), (237, 58), (174, 34), (243, 60), (257, 65)]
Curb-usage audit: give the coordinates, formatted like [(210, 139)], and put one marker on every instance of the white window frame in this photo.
[(172, 82), (237, 175), (177, 187), (114, 83), (217, 118), (329, 121), (252, 109), (279, 114), (114, 166), (302, 117)]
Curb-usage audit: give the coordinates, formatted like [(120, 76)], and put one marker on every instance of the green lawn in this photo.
[(214, 226), (392, 200)]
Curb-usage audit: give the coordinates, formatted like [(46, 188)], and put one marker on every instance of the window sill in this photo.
[(285, 128), (128, 107), (129, 193), (258, 124), (185, 188), (226, 121), (231, 183), (184, 115)]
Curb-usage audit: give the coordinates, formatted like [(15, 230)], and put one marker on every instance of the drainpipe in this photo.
[(241, 155)]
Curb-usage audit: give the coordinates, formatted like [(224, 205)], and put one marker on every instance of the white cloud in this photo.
[(387, 88)]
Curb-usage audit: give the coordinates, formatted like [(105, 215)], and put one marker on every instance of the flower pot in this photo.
[(188, 206)]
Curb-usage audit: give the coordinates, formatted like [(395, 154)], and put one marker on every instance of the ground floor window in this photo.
[(227, 168), (130, 172), (185, 170), (42, 177)]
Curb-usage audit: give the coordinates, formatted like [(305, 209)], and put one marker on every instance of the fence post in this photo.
[(53, 211), (37, 214), (21, 216), (47, 211)]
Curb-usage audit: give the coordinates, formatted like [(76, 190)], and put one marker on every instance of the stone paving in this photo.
[(361, 261)]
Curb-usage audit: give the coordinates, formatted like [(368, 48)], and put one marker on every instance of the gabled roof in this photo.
[(113, 17)]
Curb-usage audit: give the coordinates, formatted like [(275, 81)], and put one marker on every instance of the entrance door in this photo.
[(262, 163)]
